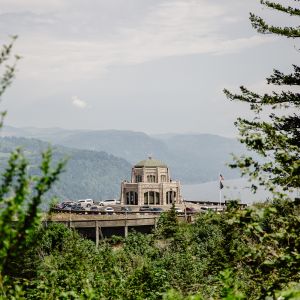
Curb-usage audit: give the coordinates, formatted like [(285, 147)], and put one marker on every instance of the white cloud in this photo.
[(79, 103), (37, 6), (172, 28)]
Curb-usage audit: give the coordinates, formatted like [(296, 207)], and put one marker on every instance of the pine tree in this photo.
[(261, 26), (277, 138)]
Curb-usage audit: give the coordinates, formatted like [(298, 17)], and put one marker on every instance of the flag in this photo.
[(221, 179)]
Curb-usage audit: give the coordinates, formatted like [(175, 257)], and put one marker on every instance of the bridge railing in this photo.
[(93, 212)]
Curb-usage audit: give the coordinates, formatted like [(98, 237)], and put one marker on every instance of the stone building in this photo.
[(150, 184)]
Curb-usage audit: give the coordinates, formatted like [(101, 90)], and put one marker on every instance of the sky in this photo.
[(156, 66)]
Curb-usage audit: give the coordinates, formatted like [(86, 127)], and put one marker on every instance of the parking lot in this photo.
[(110, 207)]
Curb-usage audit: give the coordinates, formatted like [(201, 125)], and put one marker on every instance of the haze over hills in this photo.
[(89, 174), (192, 158)]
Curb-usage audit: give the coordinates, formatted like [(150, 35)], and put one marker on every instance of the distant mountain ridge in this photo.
[(192, 158), (88, 174)]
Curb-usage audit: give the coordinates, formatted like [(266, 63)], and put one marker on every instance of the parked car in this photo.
[(126, 209), (59, 206), (66, 204), (85, 202), (108, 202), (109, 210), (156, 209), (145, 208), (206, 208), (191, 210), (179, 210), (95, 209), (77, 208)]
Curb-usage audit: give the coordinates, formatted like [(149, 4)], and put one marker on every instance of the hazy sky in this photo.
[(156, 66)]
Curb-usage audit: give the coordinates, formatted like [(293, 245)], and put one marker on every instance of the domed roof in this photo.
[(150, 162)]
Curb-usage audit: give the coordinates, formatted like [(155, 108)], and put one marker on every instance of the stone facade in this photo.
[(150, 184)]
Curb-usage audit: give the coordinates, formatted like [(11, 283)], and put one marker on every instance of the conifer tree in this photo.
[(276, 138)]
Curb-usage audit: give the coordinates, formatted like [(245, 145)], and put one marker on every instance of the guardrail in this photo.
[(93, 212)]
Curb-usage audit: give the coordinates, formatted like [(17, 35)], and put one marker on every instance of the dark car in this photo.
[(190, 210), (126, 209), (95, 210), (68, 207), (145, 208), (157, 209), (67, 204), (77, 208)]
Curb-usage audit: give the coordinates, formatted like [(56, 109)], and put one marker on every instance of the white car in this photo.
[(85, 203), (109, 210), (108, 202), (179, 210)]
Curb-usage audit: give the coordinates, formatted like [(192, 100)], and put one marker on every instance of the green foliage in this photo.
[(239, 254), (229, 288), (167, 224), (20, 196), (8, 73), (275, 139), (88, 174), (287, 31), (175, 295), (291, 293)]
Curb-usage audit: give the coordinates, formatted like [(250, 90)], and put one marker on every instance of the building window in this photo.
[(132, 198), (151, 198), (138, 178), (170, 197), (151, 178), (163, 178)]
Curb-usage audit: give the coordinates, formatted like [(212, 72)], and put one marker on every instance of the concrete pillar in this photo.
[(125, 227), (101, 233), (97, 234), (140, 195), (122, 199)]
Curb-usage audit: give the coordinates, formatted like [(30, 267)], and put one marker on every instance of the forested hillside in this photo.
[(192, 158), (89, 174)]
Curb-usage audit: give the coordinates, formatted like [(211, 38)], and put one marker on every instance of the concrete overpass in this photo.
[(97, 227)]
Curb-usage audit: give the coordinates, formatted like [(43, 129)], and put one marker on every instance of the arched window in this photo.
[(163, 178), (151, 178), (132, 198), (151, 198), (170, 197)]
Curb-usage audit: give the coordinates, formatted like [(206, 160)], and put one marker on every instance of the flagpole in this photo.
[(220, 190)]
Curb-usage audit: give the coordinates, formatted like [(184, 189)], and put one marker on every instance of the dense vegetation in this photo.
[(247, 254), (239, 254), (88, 174), (192, 158)]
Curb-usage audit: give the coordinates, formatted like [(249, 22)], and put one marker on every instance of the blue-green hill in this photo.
[(89, 174)]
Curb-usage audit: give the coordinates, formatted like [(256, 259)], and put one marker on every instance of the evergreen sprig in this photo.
[(20, 193), (288, 31), (276, 138)]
